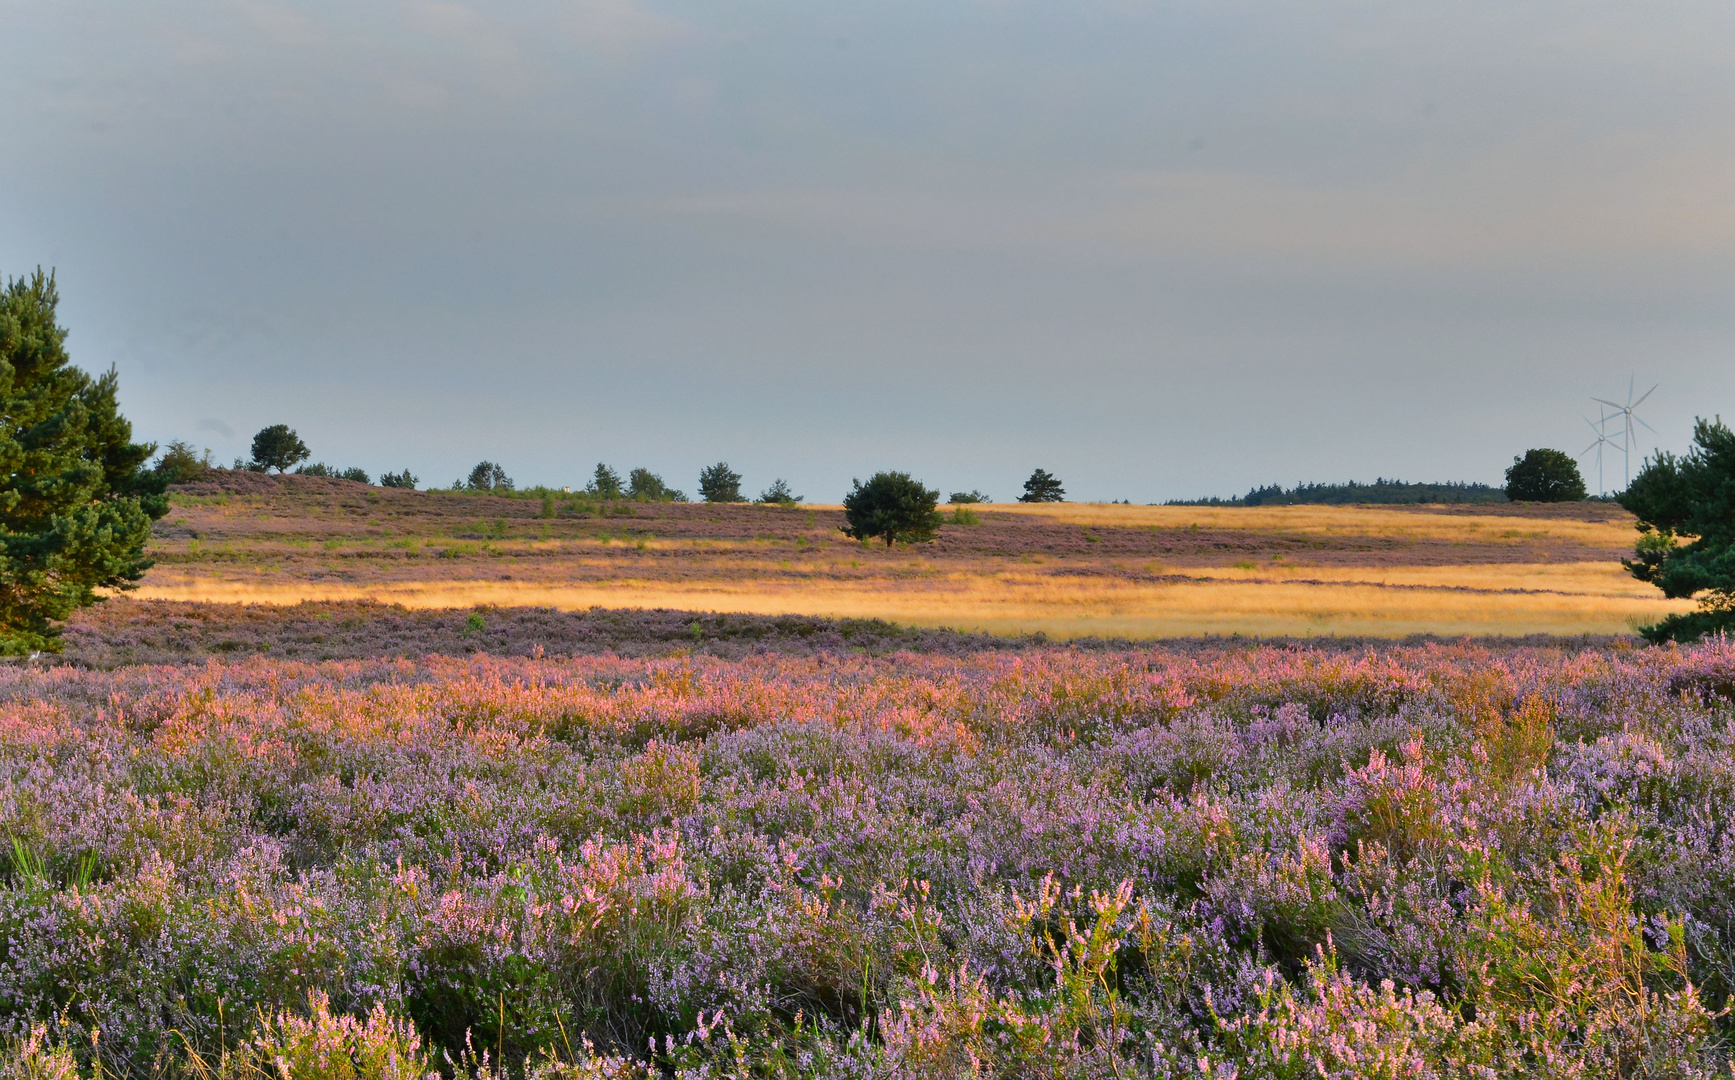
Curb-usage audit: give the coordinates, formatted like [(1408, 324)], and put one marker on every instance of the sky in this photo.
[(1162, 250)]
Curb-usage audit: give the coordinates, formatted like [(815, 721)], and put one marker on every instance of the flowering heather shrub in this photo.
[(1439, 860)]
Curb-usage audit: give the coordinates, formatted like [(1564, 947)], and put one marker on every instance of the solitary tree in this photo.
[(605, 483), (76, 503), (779, 494), (971, 496), (1544, 476), (487, 476), (892, 506), (1695, 496), (720, 484), (278, 447), (1042, 487), (647, 486)]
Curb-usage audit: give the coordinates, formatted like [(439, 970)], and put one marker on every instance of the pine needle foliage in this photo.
[(892, 506), (76, 503), (1693, 495)]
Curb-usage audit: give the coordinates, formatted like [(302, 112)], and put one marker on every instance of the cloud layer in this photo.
[(1162, 249)]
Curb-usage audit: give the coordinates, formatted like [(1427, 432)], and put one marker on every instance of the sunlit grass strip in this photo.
[(1059, 606)]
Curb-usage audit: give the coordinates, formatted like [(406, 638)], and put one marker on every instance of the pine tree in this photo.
[(76, 503), (892, 506), (278, 447), (720, 484), (1693, 496), (1042, 487), (605, 483)]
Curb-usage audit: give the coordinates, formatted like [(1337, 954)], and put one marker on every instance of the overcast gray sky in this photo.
[(1161, 249)]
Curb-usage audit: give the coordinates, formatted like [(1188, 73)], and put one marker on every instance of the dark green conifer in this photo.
[(76, 503)]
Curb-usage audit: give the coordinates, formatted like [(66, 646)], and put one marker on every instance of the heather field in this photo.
[(1219, 860), (1064, 570)]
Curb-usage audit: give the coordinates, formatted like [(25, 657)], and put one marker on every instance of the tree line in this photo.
[(78, 495)]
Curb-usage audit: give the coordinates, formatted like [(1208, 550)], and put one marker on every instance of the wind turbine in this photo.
[(1602, 440), (1629, 437)]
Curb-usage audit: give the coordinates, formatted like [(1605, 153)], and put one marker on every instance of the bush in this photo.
[(180, 464), (76, 503), (892, 506), (720, 484), (278, 447), (398, 480), (968, 497), (1692, 495), (779, 494), (360, 476), (487, 476), (1042, 487), (1544, 476)]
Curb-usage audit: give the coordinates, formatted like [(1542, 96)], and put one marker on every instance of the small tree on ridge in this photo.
[(278, 447), (892, 506), (720, 484), (1042, 486)]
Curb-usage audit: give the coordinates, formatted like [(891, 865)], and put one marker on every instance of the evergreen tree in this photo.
[(720, 484), (779, 494), (646, 486), (605, 483), (1692, 495), (278, 447), (181, 464), (404, 479), (1544, 476), (76, 503), (892, 506), (487, 476), (1042, 487)]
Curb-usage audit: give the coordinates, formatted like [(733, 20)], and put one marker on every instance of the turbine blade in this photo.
[(1654, 431), (1648, 393), (1611, 404)]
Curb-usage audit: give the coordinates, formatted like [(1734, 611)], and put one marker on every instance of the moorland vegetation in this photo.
[(1436, 861)]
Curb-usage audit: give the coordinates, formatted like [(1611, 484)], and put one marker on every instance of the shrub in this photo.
[(1042, 487), (487, 476), (180, 464), (403, 479), (720, 484), (971, 496), (76, 503), (278, 447), (360, 476), (892, 506), (779, 494), (1544, 476)]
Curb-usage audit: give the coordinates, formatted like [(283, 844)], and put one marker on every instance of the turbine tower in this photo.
[(1602, 440), (1629, 437)]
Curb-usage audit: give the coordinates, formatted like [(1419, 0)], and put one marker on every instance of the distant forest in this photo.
[(1380, 491)]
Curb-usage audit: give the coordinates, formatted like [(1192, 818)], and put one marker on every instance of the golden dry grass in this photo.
[(1066, 569), (1563, 599), (1457, 526)]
